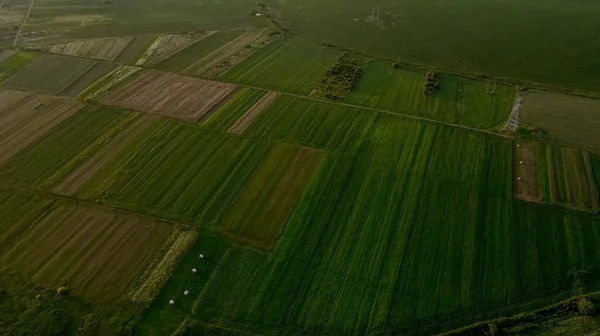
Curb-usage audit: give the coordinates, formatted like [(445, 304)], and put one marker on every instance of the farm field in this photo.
[(104, 49), (565, 120), (556, 175), (291, 65), (181, 172), (234, 109), (380, 271), (168, 94), (231, 168), (26, 117), (224, 56), (253, 112), (167, 45), (310, 123), (262, 208), (14, 63), (48, 159), (136, 48), (197, 51), (51, 74), (462, 35), (459, 101)]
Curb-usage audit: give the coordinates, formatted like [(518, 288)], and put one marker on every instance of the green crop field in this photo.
[(292, 65), (457, 100), (50, 158), (196, 51), (262, 208), (310, 123), (498, 38), (234, 108), (563, 119), (181, 172), (299, 167), (571, 180), (15, 62), (51, 74)]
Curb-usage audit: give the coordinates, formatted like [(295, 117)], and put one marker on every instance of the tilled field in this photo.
[(169, 94)]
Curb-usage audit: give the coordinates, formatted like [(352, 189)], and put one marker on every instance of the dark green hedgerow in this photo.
[(579, 305)]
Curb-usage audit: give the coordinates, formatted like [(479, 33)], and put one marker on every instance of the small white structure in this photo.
[(518, 179), (172, 302), (201, 256), (518, 145), (194, 270), (521, 162), (186, 292)]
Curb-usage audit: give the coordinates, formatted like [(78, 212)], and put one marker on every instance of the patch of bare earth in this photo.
[(526, 182), (105, 48), (89, 168), (169, 94), (252, 113), (25, 124)]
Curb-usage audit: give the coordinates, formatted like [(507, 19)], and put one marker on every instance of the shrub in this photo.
[(62, 291), (586, 307)]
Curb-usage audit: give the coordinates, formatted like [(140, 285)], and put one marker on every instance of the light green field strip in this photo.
[(135, 48), (460, 101), (49, 159), (14, 62), (246, 120), (195, 52), (49, 73), (234, 108), (260, 211), (563, 119), (291, 65)]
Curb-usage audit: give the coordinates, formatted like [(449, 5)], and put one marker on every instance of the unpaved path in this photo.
[(89, 168), (23, 24), (252, 113)]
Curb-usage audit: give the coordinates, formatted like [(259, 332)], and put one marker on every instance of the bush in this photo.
[(586, 307)]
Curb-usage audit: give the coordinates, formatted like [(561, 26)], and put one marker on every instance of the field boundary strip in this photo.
[(248, 117)]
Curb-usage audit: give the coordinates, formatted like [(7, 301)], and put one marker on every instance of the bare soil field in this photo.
[(232, 53), (26, 123), (252, 113), (110, 151), (105, 48), (95, 73), (526, 179), (167, 45), (169, 94), (96, 252), (50, 74)]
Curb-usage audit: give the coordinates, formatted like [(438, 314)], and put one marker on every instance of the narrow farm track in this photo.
[(23, 23), (506, 136)]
